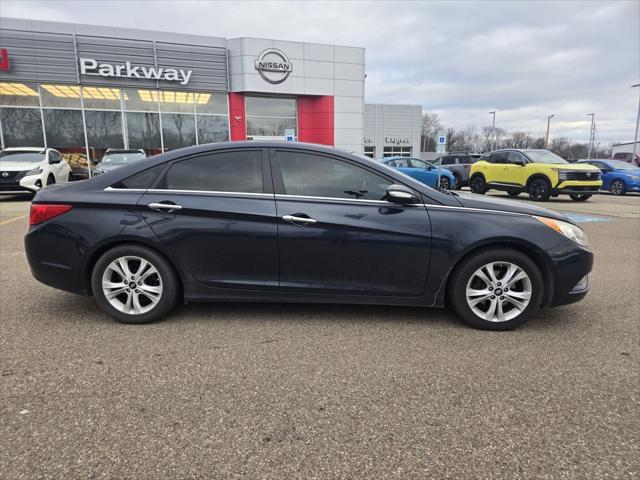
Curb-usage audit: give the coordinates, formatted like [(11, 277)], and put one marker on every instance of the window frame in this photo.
[(278, 182)]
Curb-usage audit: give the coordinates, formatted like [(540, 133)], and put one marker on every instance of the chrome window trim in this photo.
[(284, 196), (208, 192), (134, 190)]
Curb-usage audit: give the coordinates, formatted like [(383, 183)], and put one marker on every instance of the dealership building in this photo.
[(83, 89)]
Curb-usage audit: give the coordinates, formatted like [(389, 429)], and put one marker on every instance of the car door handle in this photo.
[(164, 206), (293, 219)]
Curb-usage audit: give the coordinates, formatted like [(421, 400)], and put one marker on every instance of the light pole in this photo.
[(591, 134), (493, 129), (546, 138), (635, 138)]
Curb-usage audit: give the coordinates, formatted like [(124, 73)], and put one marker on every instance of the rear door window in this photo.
[(234, 171), (448, 160), (499, 157)]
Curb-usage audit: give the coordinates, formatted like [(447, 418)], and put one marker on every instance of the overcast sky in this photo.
[(459, 59)]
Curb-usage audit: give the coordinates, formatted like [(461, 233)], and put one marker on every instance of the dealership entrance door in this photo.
[(268, 118)]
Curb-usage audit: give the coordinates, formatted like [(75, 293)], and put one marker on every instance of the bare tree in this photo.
[(430, 127)]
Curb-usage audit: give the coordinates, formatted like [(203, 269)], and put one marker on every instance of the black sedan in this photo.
[(290, 222)]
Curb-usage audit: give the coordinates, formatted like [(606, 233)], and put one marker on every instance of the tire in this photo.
[(539, 190), (513, 194), (527, 291), (618, 187), (580, 197), (70, 177), (458, 182), (50, 180), (445, 183), (153, 306), (478, 185)]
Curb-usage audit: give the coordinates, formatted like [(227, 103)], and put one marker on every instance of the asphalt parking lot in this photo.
[(315, 391)]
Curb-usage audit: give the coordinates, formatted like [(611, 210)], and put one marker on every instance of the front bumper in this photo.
[(579, 187), (571, 267), (32, 183)]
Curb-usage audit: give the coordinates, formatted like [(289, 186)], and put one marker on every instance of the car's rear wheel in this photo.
[(478, 185), (134, 284), (617, 187), (445, 183), (580, 197), (70, 177), (457, 182), (496, 289), (539, 190)]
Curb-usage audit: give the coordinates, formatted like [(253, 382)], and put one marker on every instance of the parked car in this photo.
[(114, 158), (618, 177), (540, 173), (458, 163), (24, 170), (626, 157), (294, 222), (422, 171)]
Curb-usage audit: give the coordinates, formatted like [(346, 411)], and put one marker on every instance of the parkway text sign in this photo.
[(89, 66)]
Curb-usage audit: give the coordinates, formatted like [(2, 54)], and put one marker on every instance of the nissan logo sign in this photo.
[(273, 66)]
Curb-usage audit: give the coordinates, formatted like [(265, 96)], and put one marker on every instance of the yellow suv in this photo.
[(540, 173)]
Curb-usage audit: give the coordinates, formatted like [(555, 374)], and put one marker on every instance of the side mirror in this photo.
[(401, 194), (520, 162)]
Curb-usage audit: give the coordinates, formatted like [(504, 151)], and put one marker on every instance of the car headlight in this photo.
[(573, 233), (35, 171), (633, 177)]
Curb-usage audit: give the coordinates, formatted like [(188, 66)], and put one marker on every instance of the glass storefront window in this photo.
[(396, 151), (178, 102), (143, 131), (141, 100), (178, 130), (104, 130), (212, 129), (212, 103), (269, 126), (21, 127), (370, 152), (19, 94), (64, 129), (67, 96), (270, 107), (101, 98)]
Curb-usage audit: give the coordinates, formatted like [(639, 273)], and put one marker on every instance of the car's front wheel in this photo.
[(617, 187), (477, 185), (496, 289), (134, 284)]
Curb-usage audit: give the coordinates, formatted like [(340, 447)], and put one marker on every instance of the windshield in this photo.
[(7, 157), (620, 165), (544, 156), (121, 158)]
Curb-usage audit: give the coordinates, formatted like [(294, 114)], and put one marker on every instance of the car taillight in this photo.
[(40, 212)]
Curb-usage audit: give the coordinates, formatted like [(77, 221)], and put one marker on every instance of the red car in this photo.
[(626, 157)]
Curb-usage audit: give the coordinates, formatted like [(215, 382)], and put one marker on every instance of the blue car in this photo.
[(423, 171), (618, 177)]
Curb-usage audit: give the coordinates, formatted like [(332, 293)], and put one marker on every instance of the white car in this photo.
[(30, 169)]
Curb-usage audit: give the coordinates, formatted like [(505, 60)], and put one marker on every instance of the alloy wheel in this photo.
[(499, 291), (132, 285), (445, 184), (617, 187), (538, 190)]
